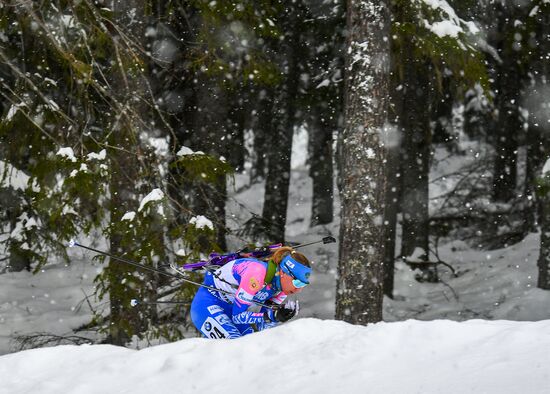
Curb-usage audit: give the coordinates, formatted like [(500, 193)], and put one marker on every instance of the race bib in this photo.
[(212, 329)]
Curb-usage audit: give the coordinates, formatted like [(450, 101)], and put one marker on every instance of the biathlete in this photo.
[(250, 280)]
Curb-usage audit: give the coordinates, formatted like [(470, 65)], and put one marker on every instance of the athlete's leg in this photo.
[(245, 329), (210, 317)]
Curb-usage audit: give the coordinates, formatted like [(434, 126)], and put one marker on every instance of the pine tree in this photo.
[(360, 269), (508, 88), (83, 125)]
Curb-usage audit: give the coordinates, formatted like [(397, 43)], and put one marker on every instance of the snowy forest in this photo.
[(414, 132)]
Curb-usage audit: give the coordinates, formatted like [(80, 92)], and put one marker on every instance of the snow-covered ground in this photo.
[(54, 301), (306, 356)]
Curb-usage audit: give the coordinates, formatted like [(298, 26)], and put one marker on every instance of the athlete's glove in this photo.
[(281, 315)]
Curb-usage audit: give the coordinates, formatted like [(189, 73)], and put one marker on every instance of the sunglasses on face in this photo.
[(295, 281)]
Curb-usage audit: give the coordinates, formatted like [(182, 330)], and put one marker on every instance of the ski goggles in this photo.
[(299, 272)]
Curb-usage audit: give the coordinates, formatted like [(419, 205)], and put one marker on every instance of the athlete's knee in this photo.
[(219, 327)]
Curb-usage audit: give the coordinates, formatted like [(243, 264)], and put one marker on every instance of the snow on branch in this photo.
[(201, 221), (155, 195)]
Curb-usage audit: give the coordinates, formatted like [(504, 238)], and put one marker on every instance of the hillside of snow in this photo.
[(305, 356)]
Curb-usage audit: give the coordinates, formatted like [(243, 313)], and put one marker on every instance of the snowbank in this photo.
[(305, 356)]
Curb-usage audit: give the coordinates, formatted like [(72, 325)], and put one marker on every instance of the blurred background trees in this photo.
[(125, 120)]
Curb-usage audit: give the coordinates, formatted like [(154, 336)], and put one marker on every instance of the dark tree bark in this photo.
[(278, 170), (360, 270), (442, 115), (280, 143), (321, 166), (415, 122), (508, 125), (393, 176), (238, 108), (391, 208), (543, 280), (18, 258), (263, 128), (539, 117)]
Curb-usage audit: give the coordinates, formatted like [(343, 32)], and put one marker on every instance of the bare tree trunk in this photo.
[(416, 155), (543, 281), (393, 174), (210, 131), (508, 124), (278, 170), (239, 106), (321, 169), (391, 209), (263, 128), (360, 270), (280, 146), (540, 117)]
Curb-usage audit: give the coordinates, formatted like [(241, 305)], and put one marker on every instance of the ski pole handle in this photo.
[(326, 240)]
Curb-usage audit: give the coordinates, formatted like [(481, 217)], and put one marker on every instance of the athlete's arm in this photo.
[(252, 280)]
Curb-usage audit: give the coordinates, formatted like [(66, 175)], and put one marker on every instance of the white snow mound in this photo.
[(304, 356)]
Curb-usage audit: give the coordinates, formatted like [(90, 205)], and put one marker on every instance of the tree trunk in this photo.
[(280, 146), (263, 128), (544, 256), (236, 125), (415, 122), (391, 209), (18, 258), (278, 170), (393, 173), (360, 270), (321, 169), (210, 132), (540, 119), (508, 124)]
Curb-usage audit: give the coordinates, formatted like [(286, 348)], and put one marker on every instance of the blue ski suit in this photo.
[(220, 315)]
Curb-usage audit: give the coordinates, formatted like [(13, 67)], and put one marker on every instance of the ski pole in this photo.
[(326, 240), (73, 243), (136, 302)]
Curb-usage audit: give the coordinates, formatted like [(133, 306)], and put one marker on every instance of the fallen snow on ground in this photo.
[(305, 356), (54, 301), (496, 284)]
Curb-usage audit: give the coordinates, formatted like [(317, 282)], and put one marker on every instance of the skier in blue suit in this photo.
[(250, 280)]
